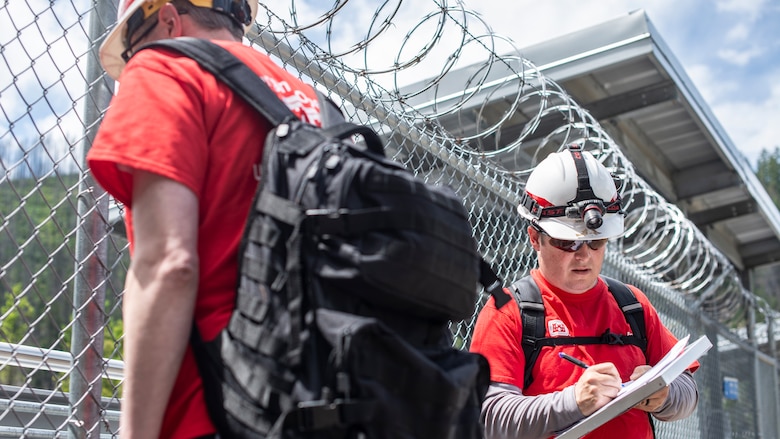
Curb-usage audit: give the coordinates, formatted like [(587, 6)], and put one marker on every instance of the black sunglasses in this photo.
[(572, 246)]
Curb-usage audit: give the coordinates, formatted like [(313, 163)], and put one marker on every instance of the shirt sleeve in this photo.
[(682, 399), (507, 413), (175, 148), (497, 336)]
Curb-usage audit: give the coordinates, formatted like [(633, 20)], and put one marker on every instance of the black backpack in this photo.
[(528, 297), (351, 270)]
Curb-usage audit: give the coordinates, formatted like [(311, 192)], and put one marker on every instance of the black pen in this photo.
[(573, 360)]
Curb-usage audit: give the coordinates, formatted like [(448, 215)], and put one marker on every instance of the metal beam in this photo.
[(704, 179), (760, 252), (706, 217), (762, 259), (633, 100)]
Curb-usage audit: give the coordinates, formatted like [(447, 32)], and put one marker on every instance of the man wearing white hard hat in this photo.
[(181, 152), (610, 329)]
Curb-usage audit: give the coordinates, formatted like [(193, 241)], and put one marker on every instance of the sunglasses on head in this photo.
[(572, 246)]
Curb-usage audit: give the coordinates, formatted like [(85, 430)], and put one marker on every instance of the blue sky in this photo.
[(729, 48)]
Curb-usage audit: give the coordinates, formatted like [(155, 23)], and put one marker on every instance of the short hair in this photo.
[(209, 18)]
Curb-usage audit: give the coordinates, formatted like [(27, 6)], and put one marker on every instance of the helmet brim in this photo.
[(112, 48), (572, 229)]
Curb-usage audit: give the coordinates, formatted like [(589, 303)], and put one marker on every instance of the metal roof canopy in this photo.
[(627, 78), (623, 73)]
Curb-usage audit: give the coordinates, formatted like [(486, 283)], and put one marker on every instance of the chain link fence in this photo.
[(63, 256)]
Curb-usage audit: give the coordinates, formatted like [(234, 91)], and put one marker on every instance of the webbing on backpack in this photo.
[(529, 300)]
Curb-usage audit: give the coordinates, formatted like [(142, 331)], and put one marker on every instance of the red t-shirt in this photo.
[(498, 336), (171, 118)]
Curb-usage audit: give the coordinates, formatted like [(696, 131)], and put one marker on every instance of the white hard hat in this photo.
[(132, 13), (571, 196)]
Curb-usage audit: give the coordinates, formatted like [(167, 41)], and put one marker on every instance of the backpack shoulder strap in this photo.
[(632, 310), (232, 71), (529, 299), (330, 114), (245, 83), (493, 285), (635, 316)]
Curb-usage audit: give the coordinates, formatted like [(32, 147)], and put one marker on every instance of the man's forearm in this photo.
[(682, 400), (158, 320), (507, 413)]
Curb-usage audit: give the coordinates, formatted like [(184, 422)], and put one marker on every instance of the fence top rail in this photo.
[(33, 357)]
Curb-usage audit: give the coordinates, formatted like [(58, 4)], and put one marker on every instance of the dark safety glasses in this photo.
[(573, 246)]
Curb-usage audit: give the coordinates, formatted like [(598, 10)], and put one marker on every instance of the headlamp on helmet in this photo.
[(589, 211)]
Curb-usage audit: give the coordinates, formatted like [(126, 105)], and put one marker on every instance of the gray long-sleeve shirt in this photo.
[(508, 414)]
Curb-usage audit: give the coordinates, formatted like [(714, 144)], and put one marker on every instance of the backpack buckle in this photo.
[(530, 340), (315, 415), (611, 338)]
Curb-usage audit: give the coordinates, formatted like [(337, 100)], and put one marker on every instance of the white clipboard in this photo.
[(675, 362)]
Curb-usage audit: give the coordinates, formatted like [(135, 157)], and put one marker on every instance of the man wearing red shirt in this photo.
[(573, 207), (182, 153)]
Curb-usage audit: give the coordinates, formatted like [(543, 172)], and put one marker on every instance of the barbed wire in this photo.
[(472, 84)]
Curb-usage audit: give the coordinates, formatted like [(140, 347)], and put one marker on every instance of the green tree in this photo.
[(766, 278), (16, 316), (112, 334), (768, 173), (38, 222)]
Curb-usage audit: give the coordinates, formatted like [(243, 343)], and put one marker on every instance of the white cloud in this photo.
[(740, 57), (46, 44), (738, 32), (752, 124), (528, 22), (749, 122), (751, 8), (522, 21), (710, 88)]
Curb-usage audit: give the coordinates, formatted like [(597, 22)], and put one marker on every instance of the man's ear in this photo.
[(534, 237), (170, 20)]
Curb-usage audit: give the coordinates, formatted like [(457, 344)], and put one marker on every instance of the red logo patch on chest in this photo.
[(557, 328)]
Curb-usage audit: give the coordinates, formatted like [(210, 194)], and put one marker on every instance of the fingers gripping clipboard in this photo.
[(675, 362)]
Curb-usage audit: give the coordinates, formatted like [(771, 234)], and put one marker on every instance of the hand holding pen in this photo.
[(599, 384), (582, 364)]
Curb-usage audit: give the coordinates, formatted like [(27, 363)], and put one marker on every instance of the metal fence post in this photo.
[(91, 251), (770, 328), (751, 327)]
